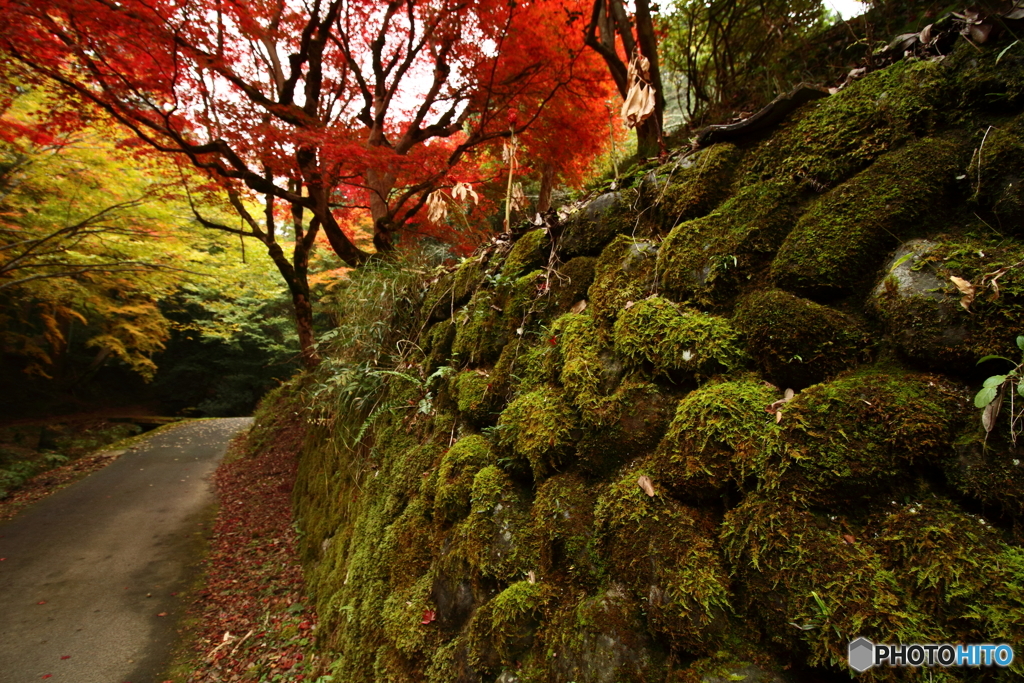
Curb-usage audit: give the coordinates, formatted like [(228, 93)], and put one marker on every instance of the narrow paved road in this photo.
[(90, 577)]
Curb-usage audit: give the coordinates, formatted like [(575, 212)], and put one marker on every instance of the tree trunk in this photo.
[(648, 138), (381, 183), (304, 325), (547, 183)]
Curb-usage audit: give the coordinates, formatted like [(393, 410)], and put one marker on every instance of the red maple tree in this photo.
[(325, 106)]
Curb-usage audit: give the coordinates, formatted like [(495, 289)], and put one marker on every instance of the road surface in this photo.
[(90, 577)]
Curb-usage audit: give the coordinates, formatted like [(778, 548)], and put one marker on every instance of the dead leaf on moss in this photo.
[(991, 412), (966, 288), (646, 484), (579, 306)]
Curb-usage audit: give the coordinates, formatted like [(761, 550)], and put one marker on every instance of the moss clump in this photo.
[(540, 427), (530, 251), (859, 435), (711, 256), (839, 135), (467, 278), (833, 248), (581, 359), (458, 467), (570, 282), (667, 554), (797, 568), (624, 272), (503, 629), (473, 395), (796, 342), (998, 176), (438, 347), (403, 614), (562, 529), (477, 325), (920, 307), (696, 184), (716, 438), (657, 332)]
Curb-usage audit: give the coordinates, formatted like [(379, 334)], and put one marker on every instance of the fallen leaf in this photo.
[(428, 616), (789, 394), (66, 657), (579, 306), (162, 614), (531, 577), (925, 36), (41, 602), (849, 539), (966, 288), (629, 305), (778, 416), (646, 484), (991, 412)]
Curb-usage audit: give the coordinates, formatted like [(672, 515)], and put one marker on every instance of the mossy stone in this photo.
[(528, 253), (710, 257), (666, 336), (833, 138), (667, 554), (886, 423), (920, 307), (989, 468), (459, 466), (473, 395), (624, 272), (541, 427), (717, 438), (834, 247), (796, 342), (605, 216), (571, 281), (694, 185), (562, 528)]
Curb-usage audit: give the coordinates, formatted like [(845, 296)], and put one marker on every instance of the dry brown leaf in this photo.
[(925, 36), (638, 105), (789, 394), (629, 305), (991, 412), (646, 484), (531, 576), (462, 191), (966, 288), (849, 539), (437, 207), (778, 416), (579, 306), (993, 280)]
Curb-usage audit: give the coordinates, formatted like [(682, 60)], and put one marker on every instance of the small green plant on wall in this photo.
[(994, 393)]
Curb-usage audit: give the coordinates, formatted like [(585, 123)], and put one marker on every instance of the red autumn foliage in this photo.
[(331, 105)]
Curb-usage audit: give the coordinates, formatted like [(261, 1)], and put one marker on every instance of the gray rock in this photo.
[(593, 226)]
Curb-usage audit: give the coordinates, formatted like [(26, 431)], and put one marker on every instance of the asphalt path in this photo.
[(91, 577)]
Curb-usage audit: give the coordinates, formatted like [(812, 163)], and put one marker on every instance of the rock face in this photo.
[(593, 471)]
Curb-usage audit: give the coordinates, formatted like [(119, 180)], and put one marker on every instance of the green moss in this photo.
[(540, 427), (796, 342), (717, 437), (467, 278), (529, 252), (833, 248), (455, 476), (920, 307), (997, 175), (562, 528), (438, 348), (861, 435), (570, 282), (658, 332), (403, 615), (667, 554), (439, 302), (711, 256), (840, 135), (503, 629), (474, 397), (478, 326), (623, 273), (577, 359), (797, 568), (696, 184)]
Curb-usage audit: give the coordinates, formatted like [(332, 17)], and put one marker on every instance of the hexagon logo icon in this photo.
[(861, 654)]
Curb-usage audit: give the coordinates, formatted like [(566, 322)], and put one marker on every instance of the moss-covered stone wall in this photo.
[(595, 472)]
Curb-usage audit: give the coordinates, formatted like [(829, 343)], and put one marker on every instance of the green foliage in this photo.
[(994, 392)]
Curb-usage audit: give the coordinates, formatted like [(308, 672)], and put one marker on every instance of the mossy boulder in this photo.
[(796, 342), (571, 281), (710, 258), (562, 526), (717, 438), (474, 397), (589, 229), (889, 424), (624, 272), (997, 175), (458, 468), (541, 428), (833, 138), (920, 305), (529, 252), (989, 468), (833, 250), (658, 333), (668, 555), (478, 328), (694, 185)]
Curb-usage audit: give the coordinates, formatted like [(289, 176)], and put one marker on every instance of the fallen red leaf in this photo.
[(162, 614), (48, 676), (849, 539), (41, 602), (66, 657), (428, 616)]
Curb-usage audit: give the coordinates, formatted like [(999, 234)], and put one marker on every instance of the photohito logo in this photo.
[(863, 654)]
